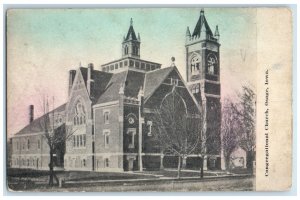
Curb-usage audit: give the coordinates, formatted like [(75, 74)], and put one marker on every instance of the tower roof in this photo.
[(131, 34), (202, 26)]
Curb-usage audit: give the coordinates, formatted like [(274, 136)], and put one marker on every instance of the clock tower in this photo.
[(203, 78)]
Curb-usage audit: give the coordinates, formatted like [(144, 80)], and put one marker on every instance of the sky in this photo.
[(44, 44)]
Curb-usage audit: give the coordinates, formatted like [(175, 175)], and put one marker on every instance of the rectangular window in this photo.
[(147, 67), (106, 162), (39, 144), (149, 124), (143, 66), (174, 81), (17, 145), (116, 66), (111, 67), (106, 140), (137, 65), (121, 64), (84, 140), (125, 63), (106, 117), (77, 138), (80, 138), (131, 63), (106, 133), (131, 133), (74, 140), (152, 67)]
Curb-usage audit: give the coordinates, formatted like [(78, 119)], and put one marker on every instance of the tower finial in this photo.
[(173, 62), (131, 21), (188, 33), (217, 34), (202, 11)]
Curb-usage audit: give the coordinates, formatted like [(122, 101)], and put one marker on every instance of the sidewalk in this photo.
[(156, 178)]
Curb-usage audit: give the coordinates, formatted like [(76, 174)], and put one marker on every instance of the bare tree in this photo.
[(244, 112), (177, 129), (55, 135), (247, 113), (230, 129)]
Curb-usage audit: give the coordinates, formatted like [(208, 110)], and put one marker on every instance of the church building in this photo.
[(109, 110)]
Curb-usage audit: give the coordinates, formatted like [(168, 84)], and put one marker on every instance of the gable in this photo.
[(153, 79), (78, 93), (166, 86)]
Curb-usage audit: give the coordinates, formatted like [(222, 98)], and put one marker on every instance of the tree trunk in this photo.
[(201, 167), (161, 167), (51, 169), (227, 163), (179, 167), (249, 158), (52, 174), (184, 162)]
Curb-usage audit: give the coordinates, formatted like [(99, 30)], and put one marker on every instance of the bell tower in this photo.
[(203, 79), (131, 43)]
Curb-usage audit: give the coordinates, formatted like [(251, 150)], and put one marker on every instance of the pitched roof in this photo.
[(154, 78), (133, 81), (84, 73), (112, 88), (202, 26), (36, 125), (131, 34), (101, 79)]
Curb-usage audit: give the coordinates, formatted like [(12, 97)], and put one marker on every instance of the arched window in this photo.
[(195, 65), (80, 114), (126, 50), (212, 63)]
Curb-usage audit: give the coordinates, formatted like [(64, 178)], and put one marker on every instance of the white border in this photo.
[(166, 3)]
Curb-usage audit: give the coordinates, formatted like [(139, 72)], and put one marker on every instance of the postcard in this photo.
[(149, 99)]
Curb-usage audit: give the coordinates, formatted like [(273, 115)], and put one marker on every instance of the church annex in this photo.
[(110, 110)]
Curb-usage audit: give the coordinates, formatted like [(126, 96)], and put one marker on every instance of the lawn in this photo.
[(26, 179)]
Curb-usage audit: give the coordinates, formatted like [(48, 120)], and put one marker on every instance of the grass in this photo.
[(27, 179)]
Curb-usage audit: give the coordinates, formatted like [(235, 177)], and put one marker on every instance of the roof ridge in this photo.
[(159, 69)]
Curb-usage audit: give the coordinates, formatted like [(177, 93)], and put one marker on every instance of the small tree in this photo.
[(177, 130), (55, 135)]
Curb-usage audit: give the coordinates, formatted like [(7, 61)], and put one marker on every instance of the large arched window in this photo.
[(212, 63), (80, 114), (195, 65)]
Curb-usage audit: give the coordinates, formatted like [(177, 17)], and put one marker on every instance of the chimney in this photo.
[(72, 74), (90, 80), (31, 113)]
